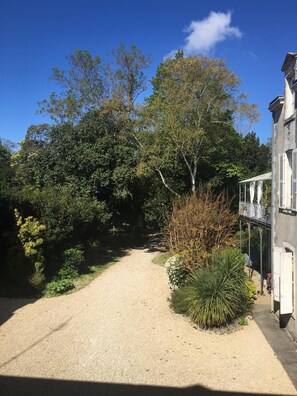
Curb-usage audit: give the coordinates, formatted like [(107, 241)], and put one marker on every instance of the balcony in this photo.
[(254, 211), (255, 199)]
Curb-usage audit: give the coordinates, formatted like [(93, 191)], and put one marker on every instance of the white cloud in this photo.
[(205, 34), (171, 54)]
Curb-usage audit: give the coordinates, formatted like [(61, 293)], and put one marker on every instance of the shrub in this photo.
[(30, 235), (199, 223), (179, 302), (63, 282), (59, 286), (216, 295), (177, 274), (37, 279), (67, 272), (251, 290), (73, 260)]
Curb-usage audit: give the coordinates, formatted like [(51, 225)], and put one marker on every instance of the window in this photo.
[(291, 263), (288, 180), (289, 97), (282, 183), (294, 180), (288, 163)]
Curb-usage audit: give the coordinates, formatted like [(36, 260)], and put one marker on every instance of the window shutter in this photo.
[(286, 291), (294, 180), (276, 272), (282, 181)]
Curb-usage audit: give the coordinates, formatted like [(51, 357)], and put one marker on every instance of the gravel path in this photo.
[(120, 329)]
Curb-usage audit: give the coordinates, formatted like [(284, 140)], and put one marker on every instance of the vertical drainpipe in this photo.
[(261, 257), (240, 237), (249, 229), (273, 197)]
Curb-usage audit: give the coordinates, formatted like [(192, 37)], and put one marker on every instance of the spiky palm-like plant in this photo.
[(216, 295)]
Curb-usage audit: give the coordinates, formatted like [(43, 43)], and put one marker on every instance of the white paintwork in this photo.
[(286, 306), (276, 272)]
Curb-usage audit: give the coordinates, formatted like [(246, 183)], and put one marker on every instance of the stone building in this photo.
[(284, 199)]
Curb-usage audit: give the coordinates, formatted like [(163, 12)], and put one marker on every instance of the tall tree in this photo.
[(90, 84), (126, 76), (191, 97), (82, 88)]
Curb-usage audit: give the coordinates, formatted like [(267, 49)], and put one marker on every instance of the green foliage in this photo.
[(251, 290), (59, 286), (180, 302), (216, 295), (5, 170), (73, 260), (37, 280), (83, 88), (191, 98), (199, 223), (30, 235), (255, 239), (63, 281), (177, 274), (242, 321), (161, 258), (127, 78), (89, 85), (106, 162), (256, 157)]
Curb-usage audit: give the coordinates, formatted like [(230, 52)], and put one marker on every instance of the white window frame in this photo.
[(286, 180), (289, 97), (282, 181), (294, 180), (288, 175), (291, 82)]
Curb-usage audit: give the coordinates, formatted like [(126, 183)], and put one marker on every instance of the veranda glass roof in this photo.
[(265, 176)]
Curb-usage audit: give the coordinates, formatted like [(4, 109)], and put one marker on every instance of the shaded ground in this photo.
[(121, 330)]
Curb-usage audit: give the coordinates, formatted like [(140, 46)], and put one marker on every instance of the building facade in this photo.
[(284, 199), (255, 218)]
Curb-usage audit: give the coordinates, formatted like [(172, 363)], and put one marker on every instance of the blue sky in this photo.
[(252, 36)]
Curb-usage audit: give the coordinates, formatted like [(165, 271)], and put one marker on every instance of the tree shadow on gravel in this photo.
[(121, 242), (114, 246), (11, 386), (8, 306)]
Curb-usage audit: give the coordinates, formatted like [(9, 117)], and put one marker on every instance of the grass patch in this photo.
[(91, 271), (161, 258), (95, 270)]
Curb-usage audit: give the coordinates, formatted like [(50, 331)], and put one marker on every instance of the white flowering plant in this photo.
[(177, 274)]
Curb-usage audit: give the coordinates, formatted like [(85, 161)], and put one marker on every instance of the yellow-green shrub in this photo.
[(251, 290), (30, 235)]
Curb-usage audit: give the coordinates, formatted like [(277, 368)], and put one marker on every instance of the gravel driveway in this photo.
[(120, 329)]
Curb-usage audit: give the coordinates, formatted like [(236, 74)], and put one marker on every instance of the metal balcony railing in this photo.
[(254, 211)]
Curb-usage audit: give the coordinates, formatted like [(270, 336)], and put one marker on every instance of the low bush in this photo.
[(63, 282), (177, 274), (217, 295), (179, 301), (251, 290), (73, 260), (198, 224), (58, 286)]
